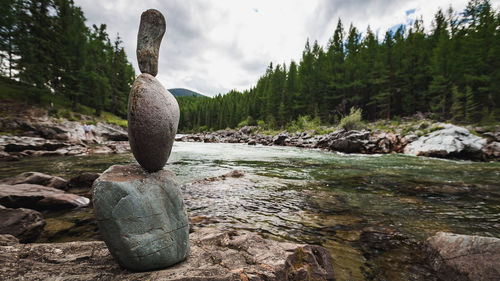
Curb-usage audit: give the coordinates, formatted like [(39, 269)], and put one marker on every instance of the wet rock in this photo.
[(280, 139), (141, 217), (381, 238), (349, 141), (39, 197), (464, 257), (450, 142), (85, 179), (37, 178), (8, 240), (153, 117), (492, 150), (215, 255), (151, 30), (26, 225)]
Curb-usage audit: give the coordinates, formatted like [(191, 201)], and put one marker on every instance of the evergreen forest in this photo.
[(46, 44), (451, 71)]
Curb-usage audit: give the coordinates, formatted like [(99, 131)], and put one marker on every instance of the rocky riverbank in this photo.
[(31, 132), (445, 141)]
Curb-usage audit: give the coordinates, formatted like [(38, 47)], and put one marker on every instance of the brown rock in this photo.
[(38, 197), (8, 240), (26, 225), (153, 117), (214, 255), (38, 178), (464, 257), (85, 179)]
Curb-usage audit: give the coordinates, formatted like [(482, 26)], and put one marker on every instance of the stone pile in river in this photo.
[(139, 209)]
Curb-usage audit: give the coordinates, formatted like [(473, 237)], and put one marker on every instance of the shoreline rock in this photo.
[(215, 255), (458, 143)]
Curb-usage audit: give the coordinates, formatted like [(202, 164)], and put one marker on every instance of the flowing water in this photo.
[(370, 211)]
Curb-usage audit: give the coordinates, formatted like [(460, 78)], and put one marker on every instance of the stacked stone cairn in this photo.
[(139, 209)]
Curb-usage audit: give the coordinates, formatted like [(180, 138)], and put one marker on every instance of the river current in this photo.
[(370, 211)]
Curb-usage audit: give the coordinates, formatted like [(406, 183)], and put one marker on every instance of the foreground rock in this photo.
[(39, 197), (465, 257), (214, 255), (24, 224), (141, 217), (450, 142), (37, 178)]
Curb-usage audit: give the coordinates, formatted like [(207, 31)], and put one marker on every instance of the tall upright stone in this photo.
[(153, 113), (139, 209)]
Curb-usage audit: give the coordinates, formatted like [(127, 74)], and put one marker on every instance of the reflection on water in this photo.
[(343, 202)]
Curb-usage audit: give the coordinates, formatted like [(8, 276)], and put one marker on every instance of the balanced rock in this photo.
[(151, 30), (153, 117), (141, 217)]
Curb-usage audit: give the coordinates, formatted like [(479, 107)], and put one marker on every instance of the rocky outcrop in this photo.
[(464, 257), (26, 225), (39, 197), (141, 217), (214, 255), (37, 178), (450, 142)]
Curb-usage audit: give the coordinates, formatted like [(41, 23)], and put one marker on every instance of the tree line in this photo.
[(46, 44), (452, 71)]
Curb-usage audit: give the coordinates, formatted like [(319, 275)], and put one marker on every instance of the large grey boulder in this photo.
[(215, 255), (141, 217), (25, 224), (450, 142), (151, 30), (464, 257), (153, 117)]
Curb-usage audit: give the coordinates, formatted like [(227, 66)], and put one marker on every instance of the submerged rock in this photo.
[(153, 117), (26, 225), (141, 217), (465, 257), (215, 255), (39, 197), (450, 142)]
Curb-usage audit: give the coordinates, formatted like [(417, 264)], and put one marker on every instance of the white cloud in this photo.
[(215, 46)]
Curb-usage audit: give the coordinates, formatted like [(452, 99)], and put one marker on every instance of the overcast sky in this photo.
[(215, 46)]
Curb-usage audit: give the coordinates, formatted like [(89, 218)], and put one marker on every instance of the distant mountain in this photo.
[(181, 92)]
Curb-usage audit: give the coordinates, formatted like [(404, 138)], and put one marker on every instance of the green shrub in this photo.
[(352, 121)]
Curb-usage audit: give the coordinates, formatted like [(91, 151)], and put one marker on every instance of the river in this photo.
[(370, 211)]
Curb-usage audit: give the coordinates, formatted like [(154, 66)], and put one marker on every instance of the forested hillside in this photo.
[(452, 70), (46, 44)]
